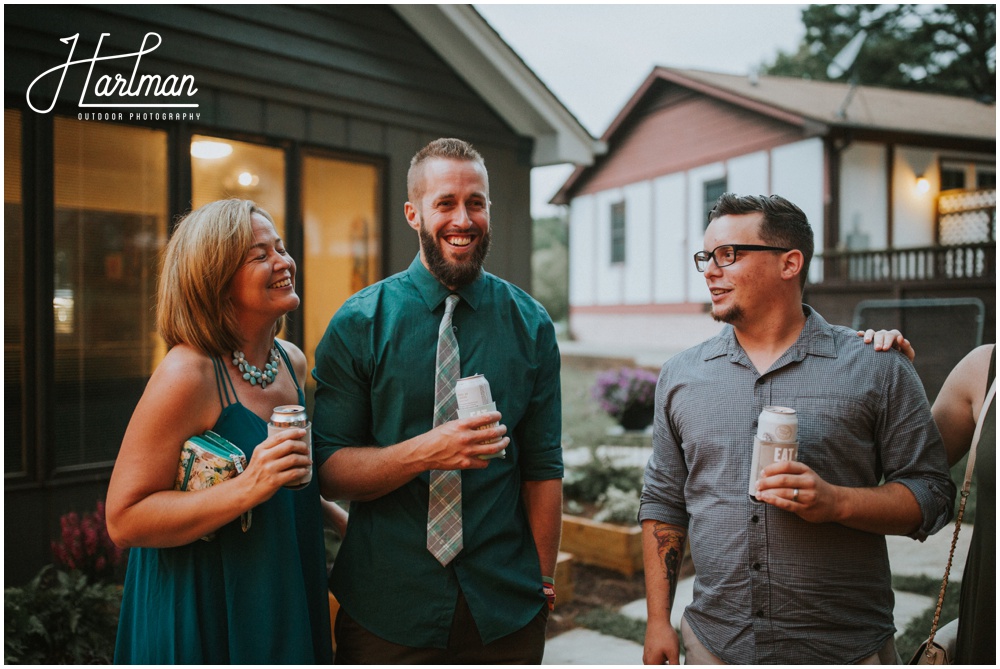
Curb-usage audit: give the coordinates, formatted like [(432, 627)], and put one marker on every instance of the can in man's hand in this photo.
[(474, 399), (775, 441)]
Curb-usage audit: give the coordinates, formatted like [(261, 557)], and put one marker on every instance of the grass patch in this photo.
[(929, 586), (613, 623), (918, 629), (584, 423)]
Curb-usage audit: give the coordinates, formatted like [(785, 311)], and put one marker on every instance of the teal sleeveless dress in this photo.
[(258, 597)]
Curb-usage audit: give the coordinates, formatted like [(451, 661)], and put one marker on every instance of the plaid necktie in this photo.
[(444, 513)]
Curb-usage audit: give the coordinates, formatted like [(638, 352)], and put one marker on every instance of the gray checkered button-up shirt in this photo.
[(771, 587)]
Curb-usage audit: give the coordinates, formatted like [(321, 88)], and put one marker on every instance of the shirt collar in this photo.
[(816, 338), (434, 292)]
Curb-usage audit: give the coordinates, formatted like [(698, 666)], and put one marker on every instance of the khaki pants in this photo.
[(696, 653)]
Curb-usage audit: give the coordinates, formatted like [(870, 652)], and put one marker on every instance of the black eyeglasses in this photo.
[(725, 255)]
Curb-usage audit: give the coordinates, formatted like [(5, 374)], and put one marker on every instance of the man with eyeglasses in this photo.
[(799, 573)]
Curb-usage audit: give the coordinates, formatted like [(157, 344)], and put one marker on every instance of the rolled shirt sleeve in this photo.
[(540, 429), (911, 447), (662, 496), (342, 407)]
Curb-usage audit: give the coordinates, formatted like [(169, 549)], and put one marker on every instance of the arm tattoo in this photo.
[(670, 548)]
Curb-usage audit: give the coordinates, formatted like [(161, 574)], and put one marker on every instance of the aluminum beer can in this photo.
[(778, 424), (775, 441), (473, 392), (289, 416), (474, 399), (767, 453)]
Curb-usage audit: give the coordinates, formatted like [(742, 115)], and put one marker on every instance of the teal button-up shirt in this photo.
[(375, 371)]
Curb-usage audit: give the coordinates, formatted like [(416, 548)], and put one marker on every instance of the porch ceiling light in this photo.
[(247, 180), (210, 150)]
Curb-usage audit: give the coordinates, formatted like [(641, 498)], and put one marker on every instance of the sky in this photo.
[(593, 57)]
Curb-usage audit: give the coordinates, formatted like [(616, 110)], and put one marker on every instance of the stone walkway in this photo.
[(583, 646)]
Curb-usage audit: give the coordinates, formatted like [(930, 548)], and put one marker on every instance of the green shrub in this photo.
[(589, 482), (60, 618), (618, 506)]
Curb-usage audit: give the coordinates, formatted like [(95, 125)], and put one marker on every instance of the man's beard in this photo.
[(453, 274), (733, 315)]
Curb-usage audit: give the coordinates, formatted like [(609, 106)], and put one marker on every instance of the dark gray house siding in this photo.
[(348, 80), (351, 78)]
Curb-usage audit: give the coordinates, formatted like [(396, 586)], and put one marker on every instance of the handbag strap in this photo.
[(990, 394)]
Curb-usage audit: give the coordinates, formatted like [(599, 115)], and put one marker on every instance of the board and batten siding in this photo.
[(665, 225), (679, 130)]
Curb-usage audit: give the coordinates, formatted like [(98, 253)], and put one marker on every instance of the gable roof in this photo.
[(867, 107), (819, 108), (463, 38)]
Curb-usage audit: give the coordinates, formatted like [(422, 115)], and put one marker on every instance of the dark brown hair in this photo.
[(784, 223)]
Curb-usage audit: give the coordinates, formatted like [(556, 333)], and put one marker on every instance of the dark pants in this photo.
[(356, 645)]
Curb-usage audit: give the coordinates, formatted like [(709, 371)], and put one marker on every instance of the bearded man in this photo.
[(413, 588)]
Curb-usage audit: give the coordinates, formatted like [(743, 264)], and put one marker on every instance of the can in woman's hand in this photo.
[(288, 416)]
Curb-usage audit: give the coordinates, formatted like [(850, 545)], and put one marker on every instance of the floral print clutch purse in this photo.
[(207, 459)]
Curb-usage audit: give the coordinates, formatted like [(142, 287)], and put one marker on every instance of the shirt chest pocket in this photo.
[(836, 435)]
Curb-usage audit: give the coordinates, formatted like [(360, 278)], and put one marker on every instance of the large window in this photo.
[(618, 232), (224, 168), (13, 291), (110, 225), (342, 241)]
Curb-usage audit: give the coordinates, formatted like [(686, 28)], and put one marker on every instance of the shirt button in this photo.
[(760, 613), (754, 519), (756, 566)]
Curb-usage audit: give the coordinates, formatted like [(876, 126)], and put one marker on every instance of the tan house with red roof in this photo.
[(900, 188)]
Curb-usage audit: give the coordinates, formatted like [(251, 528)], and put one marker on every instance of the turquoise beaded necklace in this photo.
[(255, 376)]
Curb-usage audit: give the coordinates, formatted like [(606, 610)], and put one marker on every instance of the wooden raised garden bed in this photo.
[(617, 547)]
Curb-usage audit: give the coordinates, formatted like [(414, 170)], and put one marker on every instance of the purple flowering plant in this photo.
[(85, 545), (618, 390)]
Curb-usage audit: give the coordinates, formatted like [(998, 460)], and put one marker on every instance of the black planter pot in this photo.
[(636, 417)]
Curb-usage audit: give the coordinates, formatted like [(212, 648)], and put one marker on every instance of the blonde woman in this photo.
[(250, 597)]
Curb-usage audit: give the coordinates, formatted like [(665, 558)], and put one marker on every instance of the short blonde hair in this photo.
[(207, 248)]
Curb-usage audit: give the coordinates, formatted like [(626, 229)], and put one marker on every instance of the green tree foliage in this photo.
[(930, 48), (550, 266)]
